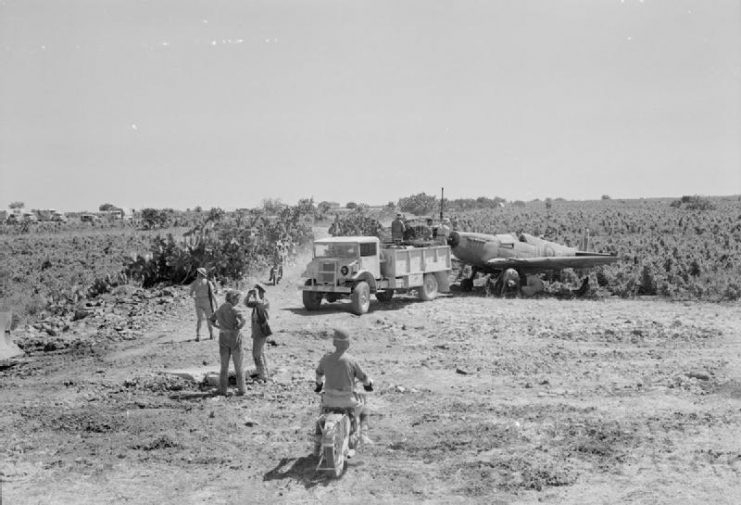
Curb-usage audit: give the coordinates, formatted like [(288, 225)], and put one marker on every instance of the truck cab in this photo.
[(339, 261)]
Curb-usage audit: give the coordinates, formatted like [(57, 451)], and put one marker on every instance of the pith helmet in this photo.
[(341, 336), (202, 271), (233, 296)]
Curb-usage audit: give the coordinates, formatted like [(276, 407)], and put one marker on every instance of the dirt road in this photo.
[(478, 400)]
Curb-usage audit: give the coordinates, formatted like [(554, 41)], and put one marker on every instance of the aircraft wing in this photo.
[(545, 263)]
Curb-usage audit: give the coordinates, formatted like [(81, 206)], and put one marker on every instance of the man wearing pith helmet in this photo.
[(259, 304), (339, 371), (202, 291), (230, 320)]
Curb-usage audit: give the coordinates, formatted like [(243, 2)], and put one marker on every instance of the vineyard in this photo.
[(53, 270), (679, 249)]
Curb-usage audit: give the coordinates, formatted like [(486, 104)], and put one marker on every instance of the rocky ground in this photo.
[(479, 400)]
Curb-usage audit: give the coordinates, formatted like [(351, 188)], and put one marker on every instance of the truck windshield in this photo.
[(336, 250)]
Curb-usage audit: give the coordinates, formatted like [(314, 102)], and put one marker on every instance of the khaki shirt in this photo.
[(340, 370), (228, 317), (199, 289)]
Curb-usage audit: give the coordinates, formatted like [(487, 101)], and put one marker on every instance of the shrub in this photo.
[(647, 285), (693, 203), (732, 291), (228, 248)]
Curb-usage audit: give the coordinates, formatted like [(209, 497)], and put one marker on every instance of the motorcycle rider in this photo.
[(340, 370)]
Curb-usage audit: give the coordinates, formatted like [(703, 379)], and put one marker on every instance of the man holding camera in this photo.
[(259, 303)]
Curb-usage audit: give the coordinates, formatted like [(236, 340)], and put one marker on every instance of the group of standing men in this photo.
[(229, 319), (399, 229)]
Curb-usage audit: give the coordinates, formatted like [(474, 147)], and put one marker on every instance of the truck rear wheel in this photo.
[(428, 290), (360, 298), (312, 299), (385, 295)]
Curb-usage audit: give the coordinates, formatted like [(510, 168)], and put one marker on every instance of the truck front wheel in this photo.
[(360, 298), (312, 299), (428, 290)]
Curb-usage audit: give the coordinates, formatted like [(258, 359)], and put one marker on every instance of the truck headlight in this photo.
[(344, 270)]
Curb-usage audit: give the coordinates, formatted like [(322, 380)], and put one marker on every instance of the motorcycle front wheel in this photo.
[(334, 452)]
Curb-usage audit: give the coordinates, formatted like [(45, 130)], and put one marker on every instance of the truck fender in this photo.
[(367, 277)]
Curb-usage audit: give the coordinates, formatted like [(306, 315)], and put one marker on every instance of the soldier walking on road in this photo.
[(202, 292), (229, 320), (259, 303)]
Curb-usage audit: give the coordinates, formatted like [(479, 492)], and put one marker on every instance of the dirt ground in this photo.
[(478, 400)]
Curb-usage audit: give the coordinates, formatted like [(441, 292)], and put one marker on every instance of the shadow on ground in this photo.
[(301, 469), (376, 306)]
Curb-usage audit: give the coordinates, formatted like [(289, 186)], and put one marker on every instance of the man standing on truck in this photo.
[(397, 229), (443, 231)]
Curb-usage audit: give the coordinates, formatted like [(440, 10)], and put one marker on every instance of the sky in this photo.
[(226, 103)]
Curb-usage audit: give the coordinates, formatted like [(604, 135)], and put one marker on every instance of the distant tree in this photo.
[(390, 206), (154, 218), (351, 205), (418, 204), (272, 205), (548, 203), (16, 205), (198, 208), (106, 207), (215, 214), (693, 203), (606, 197), (323, 208), (306, 206)]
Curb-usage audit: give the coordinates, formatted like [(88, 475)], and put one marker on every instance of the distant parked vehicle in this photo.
[(58, 217), (89, 218), (29, 217)]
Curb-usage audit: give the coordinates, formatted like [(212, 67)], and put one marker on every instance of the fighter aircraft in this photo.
[(511, 258)]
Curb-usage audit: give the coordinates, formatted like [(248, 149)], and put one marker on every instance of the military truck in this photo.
[(356, 267)]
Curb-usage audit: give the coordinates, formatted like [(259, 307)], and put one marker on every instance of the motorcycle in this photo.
[(337, 436)]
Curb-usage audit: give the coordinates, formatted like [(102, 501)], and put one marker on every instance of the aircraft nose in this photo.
[(454, 239)]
